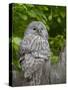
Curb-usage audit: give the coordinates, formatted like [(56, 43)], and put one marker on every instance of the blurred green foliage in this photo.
[(54, 18)]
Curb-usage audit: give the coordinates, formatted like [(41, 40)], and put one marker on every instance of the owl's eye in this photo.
[(34, 28)]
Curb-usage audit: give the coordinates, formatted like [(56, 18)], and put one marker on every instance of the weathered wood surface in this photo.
[(58, 71)]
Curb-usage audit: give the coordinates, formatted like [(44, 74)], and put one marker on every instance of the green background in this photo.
[(54, 18)]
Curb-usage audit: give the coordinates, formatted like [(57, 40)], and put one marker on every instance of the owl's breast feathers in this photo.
[(38, 46), (35, 50)]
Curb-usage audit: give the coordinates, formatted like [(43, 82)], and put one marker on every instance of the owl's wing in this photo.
[(28, 62), (25, 47)]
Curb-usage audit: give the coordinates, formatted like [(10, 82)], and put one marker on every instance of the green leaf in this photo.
[(16, 40), (59, 20), (24, 17), (50, 17), (54, 59), (46, 8), (32, 14)]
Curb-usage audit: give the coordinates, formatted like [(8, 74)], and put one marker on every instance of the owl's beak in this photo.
[(39, 31)]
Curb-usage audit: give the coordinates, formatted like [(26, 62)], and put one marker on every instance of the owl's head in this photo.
[(37, 28)]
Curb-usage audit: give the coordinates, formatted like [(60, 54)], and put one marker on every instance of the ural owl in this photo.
[(34, 53)]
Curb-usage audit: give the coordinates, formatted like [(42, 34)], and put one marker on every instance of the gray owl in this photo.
[(34, 54)]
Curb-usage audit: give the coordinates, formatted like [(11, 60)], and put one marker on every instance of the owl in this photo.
[(34, 54)]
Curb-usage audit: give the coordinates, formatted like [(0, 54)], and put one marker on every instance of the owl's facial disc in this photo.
[(37, 30)]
